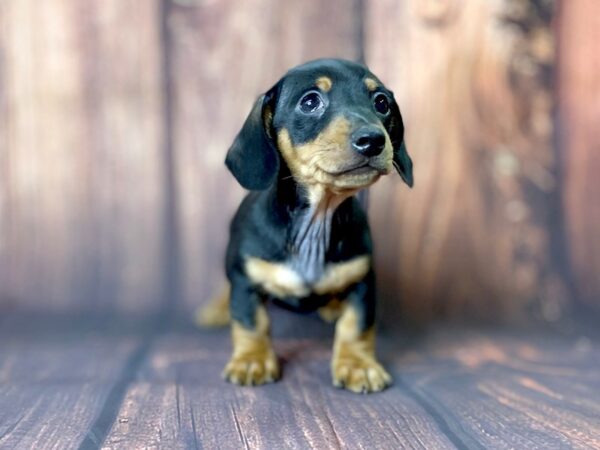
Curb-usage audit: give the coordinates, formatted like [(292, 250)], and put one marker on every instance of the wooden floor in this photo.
[(73, 383)]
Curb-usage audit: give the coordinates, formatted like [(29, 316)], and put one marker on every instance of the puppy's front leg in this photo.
[(253, 361), (354, 365)]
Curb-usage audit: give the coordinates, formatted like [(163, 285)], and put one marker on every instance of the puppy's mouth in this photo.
[(356, 176), (363, 168)]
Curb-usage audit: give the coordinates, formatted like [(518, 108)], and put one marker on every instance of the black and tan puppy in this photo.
[(326, 130)]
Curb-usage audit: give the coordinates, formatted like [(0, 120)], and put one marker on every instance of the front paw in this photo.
[(252, 370), (360, 375)]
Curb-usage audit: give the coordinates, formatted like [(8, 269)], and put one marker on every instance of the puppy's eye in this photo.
[(381, 104), (311, 103)]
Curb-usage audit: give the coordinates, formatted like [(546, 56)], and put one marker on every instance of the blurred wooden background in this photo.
[(115, 117)]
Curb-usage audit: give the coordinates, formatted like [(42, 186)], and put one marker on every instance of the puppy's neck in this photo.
[(311, 231)]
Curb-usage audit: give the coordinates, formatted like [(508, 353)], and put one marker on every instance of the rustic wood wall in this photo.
[(579, 139), (115, 117), (475, 81), (82, 170)]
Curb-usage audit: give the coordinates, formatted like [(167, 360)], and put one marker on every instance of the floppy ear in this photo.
[(403, 164), (252, 158), (402, 161)]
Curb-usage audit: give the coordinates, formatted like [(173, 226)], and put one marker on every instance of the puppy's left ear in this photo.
[(402, 161), (252, 158)]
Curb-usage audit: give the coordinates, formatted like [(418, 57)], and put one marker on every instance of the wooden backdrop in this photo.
[(115, 117)]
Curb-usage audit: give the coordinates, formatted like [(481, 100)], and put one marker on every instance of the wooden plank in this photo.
[(67, 384), (505, 391), (47, 416), (579, 109), (55, 382), (180, 401), (475, 237), (223, 56), (81, 160), (454, 389)]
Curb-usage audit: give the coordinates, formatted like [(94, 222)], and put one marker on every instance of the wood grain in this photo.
[(180, 401), (115, 117), (475, 237), (54, 383), (579, 107), (80, 158), (497, 390), (454, 389), (119, 384), (223, 56), (4, 173)]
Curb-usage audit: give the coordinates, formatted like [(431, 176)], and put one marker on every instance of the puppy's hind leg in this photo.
[(216, 312)]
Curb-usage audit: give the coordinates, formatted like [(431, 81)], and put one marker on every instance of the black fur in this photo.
[(402, 161), (252, 158), (265, 222)]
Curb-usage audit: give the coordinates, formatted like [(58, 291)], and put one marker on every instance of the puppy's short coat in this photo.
[(326, 130)]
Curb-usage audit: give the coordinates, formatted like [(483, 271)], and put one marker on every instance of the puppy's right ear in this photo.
[(252, 158), (402, 161)]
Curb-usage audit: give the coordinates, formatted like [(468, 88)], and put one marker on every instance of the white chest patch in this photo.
[(280, 280)]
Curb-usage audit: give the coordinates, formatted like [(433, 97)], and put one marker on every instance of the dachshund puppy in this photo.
[(300, 238)]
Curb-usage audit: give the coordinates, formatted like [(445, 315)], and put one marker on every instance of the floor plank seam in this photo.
[(95, 437), (440, 421)]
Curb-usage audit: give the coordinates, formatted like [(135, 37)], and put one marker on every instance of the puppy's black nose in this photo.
[(368, 141)]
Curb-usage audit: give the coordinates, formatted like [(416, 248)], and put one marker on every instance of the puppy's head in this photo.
[(331, 122)]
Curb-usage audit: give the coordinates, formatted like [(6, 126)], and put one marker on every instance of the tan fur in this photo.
[(253, 361), (319, 162), (354, 365), (275, 278), (324, 83), (331, 311), (371, 84), (281, 281), (216, 312), (339, 276)]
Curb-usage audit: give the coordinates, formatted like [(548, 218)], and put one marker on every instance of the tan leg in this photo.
[(216, 312), (253, 361), (354, 365), (331, 311)]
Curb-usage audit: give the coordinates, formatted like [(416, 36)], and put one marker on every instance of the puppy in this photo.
[(300, 238)]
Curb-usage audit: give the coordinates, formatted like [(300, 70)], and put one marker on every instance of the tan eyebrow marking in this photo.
[(371, 84), (324, 83)]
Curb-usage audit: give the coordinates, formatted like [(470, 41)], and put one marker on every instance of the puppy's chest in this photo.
[(314, 238), (286, 279)]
